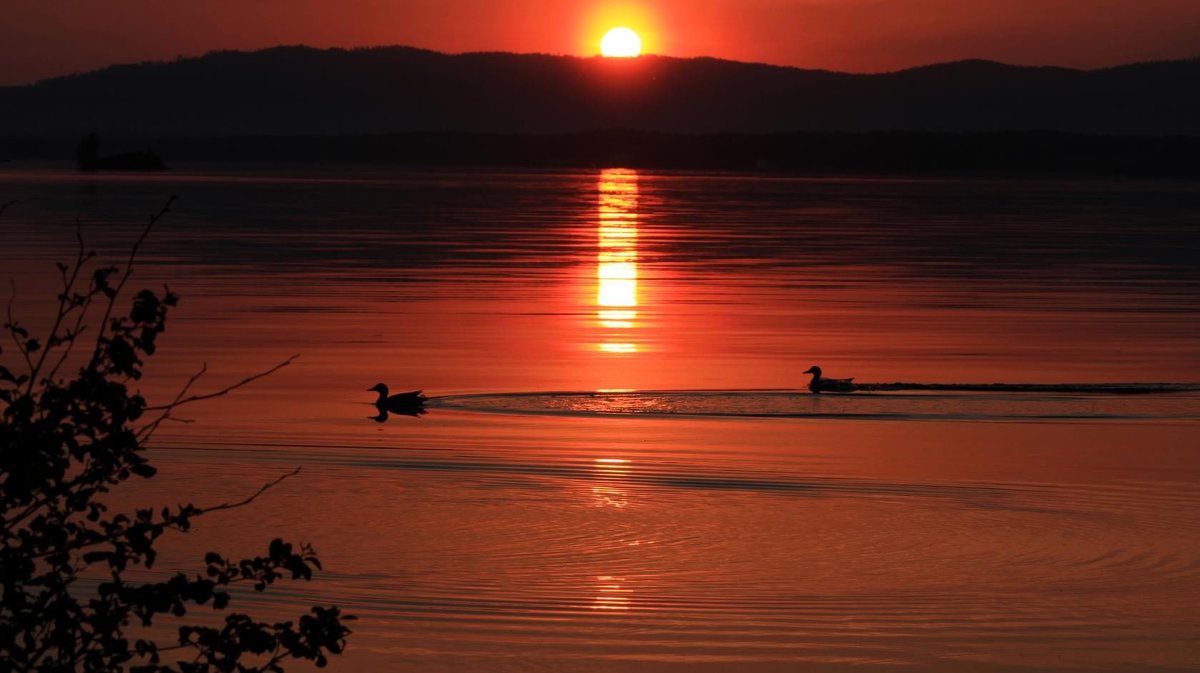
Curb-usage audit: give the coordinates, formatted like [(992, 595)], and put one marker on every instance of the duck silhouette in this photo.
[(409, 404), (818, 384)]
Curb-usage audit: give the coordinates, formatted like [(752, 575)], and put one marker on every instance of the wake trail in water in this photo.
[(1087, 388), (873, 401)]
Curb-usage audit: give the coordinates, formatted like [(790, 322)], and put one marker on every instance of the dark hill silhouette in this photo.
[(304, 91)]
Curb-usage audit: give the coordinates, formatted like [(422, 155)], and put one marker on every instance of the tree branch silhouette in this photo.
[(112, 293), (225, 391), (64, 445)]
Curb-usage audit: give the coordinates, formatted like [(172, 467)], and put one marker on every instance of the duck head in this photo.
[(381, 389), (814, 370)]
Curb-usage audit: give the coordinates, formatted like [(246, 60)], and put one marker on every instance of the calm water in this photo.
[(620, 469)]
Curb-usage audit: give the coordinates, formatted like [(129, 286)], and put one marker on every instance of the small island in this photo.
[(88, 159)]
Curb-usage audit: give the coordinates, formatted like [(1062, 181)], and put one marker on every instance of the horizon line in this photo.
[(597, 56)]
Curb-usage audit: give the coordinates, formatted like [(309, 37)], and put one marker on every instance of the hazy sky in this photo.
[(42, 38)]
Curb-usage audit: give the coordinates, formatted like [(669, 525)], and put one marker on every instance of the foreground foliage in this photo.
[(65, 442)]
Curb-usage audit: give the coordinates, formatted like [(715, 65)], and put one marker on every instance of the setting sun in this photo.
[(621, 43)]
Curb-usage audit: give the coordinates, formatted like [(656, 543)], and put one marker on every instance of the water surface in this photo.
[(621, 470)]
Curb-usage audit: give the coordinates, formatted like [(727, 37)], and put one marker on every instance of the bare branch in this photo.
[(242, 503), (173, 523), (145, 433), (226, 390)]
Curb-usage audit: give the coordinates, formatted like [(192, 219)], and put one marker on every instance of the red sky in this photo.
[(43, 38)]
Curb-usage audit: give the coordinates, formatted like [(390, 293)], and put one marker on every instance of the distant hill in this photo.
[(304, 91)]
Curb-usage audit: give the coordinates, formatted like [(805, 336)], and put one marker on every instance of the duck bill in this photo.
[(807, 371)]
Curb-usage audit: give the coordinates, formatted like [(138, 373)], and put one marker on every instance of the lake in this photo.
[(621, 468)]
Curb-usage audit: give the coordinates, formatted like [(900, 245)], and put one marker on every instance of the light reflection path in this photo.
[(613, 592), (611, 473), (617, 269)]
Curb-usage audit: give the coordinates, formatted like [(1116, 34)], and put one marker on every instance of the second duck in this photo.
[(819, 384)]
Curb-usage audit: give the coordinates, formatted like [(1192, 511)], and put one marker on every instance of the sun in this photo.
[(621, 43)]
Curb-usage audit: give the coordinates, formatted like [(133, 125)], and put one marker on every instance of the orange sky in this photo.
[(40, 38)]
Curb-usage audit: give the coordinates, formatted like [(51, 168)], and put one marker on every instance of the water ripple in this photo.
[(950, 402)]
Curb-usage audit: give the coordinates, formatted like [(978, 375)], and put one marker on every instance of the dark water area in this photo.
[(898, 153), (621, 468)]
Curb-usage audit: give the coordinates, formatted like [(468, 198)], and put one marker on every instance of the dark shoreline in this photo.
[(1032, 154)]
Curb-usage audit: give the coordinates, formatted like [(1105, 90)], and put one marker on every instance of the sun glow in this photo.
[(621, 43), (617, 259)]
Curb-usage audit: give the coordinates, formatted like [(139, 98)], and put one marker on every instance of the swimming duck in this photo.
[(818, 385), (400, 403)]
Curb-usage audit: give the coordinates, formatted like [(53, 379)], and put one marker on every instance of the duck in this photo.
[(400, 403), (818, 384)]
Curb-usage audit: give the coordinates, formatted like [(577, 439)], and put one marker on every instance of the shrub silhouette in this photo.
[(64, 444)]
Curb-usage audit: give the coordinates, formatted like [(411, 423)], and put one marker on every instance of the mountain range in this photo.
[(297, 91)]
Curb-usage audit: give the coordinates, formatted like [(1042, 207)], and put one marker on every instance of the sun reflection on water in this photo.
[(612, 591), (617, 268), (612, 594), (609, 491), (618, 348)]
